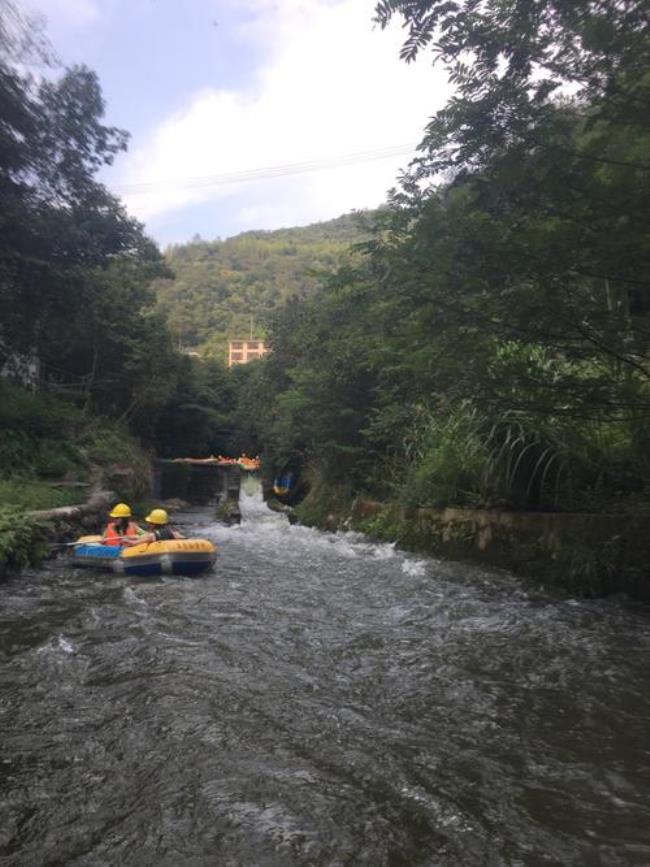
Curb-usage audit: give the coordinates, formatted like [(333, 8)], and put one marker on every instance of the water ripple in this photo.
[(320, 700)]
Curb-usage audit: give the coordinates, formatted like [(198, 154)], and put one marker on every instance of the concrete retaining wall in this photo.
[(582, 553), (199, 484)]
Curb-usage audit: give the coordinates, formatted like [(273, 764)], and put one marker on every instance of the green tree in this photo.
[(196, 419), (510, 61), (74, 267)]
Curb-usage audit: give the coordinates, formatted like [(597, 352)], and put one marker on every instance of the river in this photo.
[(319, 700)]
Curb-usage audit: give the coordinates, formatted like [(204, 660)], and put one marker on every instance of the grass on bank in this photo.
[(26, 494), (45, 440), (518, 461)]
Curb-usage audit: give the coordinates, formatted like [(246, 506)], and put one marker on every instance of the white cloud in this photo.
[(329, 85), (71, 14)]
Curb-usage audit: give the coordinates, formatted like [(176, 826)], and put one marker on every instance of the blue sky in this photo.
[(214, 88)]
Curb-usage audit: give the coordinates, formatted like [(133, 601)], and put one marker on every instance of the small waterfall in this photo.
[(252, 505)]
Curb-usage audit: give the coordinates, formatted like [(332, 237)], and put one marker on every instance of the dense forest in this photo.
[(492, 348), (220, 289)]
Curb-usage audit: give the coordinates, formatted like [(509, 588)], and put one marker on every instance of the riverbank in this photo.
[(59, 468), (27, 537), (582, 554)]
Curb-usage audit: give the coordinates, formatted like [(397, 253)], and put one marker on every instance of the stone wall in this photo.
[(200, 484), (587, 554)]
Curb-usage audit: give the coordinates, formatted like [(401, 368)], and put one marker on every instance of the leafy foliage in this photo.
[(197, 417), (17, 539), (30, 494), (36, 434), (44, 439), (509, 61)]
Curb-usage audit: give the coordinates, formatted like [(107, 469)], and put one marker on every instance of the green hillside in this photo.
[(219, 285)]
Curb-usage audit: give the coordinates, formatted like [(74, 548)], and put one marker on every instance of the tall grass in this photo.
[(518, 460), (446, 458)]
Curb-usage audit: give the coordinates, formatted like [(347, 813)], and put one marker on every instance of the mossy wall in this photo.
[(199, 484), (581, 553)]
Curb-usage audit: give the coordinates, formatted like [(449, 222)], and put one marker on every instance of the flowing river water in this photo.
[(319, 700)]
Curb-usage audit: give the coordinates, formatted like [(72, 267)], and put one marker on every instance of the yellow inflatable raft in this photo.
[(174, 557)]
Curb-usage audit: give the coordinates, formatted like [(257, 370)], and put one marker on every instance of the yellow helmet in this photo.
[(157, 516), (121, 511)]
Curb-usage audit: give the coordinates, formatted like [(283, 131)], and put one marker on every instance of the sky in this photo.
[(215, 93)]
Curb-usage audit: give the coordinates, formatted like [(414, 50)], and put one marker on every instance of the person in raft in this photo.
[(122, 530), (159, 529)]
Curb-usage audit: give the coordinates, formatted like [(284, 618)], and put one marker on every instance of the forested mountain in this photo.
[(219, 285)]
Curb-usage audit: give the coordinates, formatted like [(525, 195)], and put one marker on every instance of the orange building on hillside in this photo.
[(243, 351)]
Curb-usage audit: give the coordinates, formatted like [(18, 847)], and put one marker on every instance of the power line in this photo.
[(267, 172)]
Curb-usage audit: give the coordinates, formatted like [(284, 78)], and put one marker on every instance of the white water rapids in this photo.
[(319, 700)]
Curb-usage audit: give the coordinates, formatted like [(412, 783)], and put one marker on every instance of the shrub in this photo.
[(21, 542)]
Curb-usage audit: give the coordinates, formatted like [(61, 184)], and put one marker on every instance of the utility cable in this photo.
[(267, 172)]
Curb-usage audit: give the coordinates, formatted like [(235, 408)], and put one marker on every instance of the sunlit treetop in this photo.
[(509, 60)]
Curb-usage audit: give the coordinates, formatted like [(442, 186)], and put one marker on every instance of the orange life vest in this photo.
[(112, 537)]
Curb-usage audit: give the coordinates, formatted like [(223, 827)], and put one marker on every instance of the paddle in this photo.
[(71, 544)]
